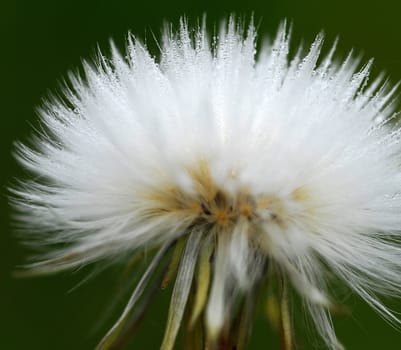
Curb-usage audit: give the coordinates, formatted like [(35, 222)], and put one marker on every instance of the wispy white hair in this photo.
[(251, 155)]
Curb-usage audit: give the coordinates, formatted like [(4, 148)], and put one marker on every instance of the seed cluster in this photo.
[(212, 204)]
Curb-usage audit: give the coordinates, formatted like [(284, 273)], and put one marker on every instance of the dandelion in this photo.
[(242, 167)]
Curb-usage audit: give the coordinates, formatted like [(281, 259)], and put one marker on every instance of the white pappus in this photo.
[(237, 162)]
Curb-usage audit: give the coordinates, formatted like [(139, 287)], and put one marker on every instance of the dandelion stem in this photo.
[(286, 330)]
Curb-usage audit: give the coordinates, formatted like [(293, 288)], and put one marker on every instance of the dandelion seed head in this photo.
[(254, 156)]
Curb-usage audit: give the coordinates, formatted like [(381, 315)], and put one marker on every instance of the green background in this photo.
[(42, 41)]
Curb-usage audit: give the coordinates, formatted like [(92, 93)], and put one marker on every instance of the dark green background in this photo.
[(42, 40)]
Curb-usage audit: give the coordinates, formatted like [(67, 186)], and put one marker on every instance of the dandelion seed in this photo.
[(244, 165)]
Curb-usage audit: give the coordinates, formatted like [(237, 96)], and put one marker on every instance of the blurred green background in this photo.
[(42, 41)]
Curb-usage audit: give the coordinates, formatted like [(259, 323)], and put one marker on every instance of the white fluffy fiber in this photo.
[(279, 123)]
